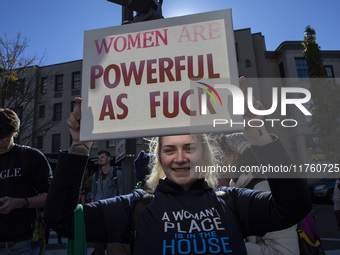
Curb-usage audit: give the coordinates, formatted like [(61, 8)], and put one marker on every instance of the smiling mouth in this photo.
[(181, 169)]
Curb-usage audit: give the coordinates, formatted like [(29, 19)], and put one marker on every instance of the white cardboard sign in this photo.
[(158, 77)]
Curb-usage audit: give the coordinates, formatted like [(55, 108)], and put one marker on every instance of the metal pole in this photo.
[(127, 15), (129, 179)]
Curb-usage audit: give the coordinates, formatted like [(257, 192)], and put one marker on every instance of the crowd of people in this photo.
[(188, 211)]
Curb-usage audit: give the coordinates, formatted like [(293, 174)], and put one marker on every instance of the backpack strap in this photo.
[(303, 235), (115, 179), (309, 236), (96, 176), (114, 172)]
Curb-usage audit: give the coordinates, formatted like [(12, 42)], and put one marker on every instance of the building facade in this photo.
[(284, 67)]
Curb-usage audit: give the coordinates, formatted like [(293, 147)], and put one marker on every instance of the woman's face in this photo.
[(179, 155)]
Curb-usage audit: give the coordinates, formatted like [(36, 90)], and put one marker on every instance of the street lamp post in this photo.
[(127, 15), (146, 10)]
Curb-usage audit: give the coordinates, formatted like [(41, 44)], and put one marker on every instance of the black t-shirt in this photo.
[(24, 172)]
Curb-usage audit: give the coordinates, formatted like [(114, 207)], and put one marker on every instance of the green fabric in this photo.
[(139, 185), (78, 245)]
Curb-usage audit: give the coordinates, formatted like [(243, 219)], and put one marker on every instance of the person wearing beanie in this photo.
[(141, 168)]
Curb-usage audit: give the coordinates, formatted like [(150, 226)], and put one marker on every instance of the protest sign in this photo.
[(159, 77)]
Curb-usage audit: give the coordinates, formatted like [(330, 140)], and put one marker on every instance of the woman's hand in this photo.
[(255, 134), (73, 123)]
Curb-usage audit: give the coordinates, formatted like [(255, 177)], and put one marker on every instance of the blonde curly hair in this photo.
[(209, 159)]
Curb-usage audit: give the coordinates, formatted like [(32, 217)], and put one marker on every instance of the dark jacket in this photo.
[(177, 221)]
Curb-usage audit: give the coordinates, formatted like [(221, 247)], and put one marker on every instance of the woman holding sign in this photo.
[(185, 216)]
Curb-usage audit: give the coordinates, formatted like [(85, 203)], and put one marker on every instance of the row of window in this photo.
[(56, 143), (59, 82), (302, 69), (57, 111)]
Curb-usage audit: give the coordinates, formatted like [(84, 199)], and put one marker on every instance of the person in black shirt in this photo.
[(25, 176)]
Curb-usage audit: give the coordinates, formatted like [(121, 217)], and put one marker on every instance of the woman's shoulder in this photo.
[(229, 190), (127, 201), (240, 196)]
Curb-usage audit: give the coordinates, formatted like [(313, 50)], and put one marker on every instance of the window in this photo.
[(237, 56), (43, 85), (19, 90), (40, 142), (282, 70), (110, 143), (301, 68), (329, 70), (55, 143), (76, 80), (19, 112), (95, 145), (57, 112), (59, 80), (41, 111)]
